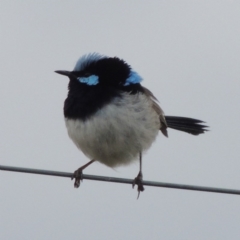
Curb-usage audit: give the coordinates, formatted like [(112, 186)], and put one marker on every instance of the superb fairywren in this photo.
[(111, 117)]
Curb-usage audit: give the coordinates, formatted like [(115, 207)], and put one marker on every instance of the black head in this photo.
[(95, 81), (95, 69)]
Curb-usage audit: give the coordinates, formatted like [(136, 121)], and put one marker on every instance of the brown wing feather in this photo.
[(159, 111)]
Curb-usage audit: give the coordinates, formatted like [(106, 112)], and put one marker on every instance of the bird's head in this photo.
[(98, 70)]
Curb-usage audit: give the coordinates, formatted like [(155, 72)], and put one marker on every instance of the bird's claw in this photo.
[(77, 175), (138, 181)]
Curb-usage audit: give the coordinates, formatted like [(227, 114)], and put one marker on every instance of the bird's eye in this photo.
[(87, 74)]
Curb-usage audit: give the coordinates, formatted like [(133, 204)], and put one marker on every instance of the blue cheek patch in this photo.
[(91, 80), (133, 79)]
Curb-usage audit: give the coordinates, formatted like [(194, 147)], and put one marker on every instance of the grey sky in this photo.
[(188, 53)]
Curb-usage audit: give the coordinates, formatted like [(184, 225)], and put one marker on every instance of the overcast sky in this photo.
[(188, 53)]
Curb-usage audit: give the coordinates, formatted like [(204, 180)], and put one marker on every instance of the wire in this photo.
[(121, 180)]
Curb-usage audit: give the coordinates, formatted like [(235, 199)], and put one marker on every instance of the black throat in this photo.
[(83, 100)]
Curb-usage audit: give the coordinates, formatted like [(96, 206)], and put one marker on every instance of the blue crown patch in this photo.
[(86, 60)]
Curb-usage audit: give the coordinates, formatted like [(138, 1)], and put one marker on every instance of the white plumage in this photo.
[(117, 133)]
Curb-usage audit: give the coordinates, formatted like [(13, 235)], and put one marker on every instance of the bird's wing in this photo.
[(159, 111)]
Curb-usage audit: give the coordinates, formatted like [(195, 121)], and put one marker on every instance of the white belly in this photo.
[(116, 134)]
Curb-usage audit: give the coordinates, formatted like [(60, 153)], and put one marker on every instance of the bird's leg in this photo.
[(78, 174), (138, 179)]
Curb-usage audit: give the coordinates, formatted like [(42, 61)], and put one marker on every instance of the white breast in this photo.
[(116, 134)]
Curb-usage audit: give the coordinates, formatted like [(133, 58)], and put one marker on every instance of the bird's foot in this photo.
[(77, 175), (138, 181)]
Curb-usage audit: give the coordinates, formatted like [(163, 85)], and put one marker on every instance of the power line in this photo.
[(121, 180)]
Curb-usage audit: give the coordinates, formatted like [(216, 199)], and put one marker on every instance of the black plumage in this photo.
[(84, 100), (189, 125)]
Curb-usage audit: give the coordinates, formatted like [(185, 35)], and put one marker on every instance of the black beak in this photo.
[(65, 73)]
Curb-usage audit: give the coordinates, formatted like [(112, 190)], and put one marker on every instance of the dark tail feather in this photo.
[(189, 125)]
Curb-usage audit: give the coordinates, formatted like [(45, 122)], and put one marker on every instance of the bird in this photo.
[(111, 117)]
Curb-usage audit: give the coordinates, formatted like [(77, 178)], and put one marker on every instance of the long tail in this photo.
[(189, 125)]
